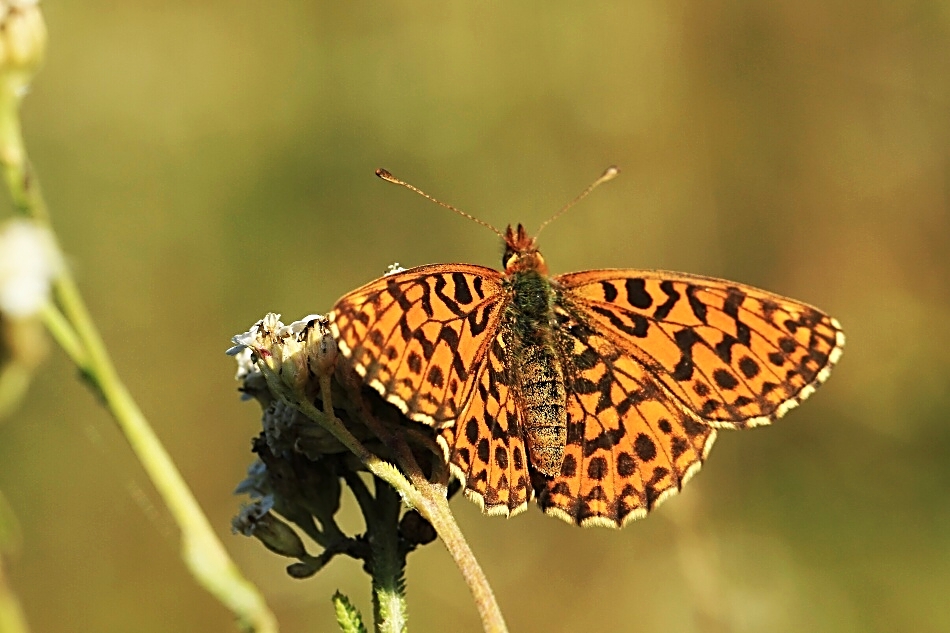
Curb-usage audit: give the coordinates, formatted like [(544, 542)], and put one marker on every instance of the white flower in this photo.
[(393, 269), (292, 353), (29, 261)]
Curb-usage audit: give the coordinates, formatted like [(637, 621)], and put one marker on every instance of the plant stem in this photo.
[(389, 564), (428, 498), (438, 513), (202, 551), (12, 619)]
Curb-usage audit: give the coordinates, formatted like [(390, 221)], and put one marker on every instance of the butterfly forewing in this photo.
[(734, 355), (417, 336)]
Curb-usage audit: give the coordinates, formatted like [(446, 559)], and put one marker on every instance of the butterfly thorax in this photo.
[(533, 355)]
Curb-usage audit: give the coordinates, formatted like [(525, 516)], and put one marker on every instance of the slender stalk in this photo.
[(202, 551), (426, 497), (389, 565), (12, 619), (438, 513), (64, 334)]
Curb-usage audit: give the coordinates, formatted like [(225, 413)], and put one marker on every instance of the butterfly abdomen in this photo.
[(543, 395)]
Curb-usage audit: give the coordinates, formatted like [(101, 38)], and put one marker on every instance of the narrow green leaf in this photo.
[(347, 616)]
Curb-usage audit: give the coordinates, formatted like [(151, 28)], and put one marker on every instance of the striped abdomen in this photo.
[(543, 400)]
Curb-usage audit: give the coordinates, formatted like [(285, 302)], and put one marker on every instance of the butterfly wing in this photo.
[(486, 448), (629, 442), (432, 341), (419, 336), (734, 355), (654, 362)]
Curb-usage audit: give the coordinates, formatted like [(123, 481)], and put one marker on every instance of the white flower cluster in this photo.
[(393, 268), (29, 261), (293, 354)]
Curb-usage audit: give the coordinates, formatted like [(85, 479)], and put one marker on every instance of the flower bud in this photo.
[(258, 521), (29, 261), (416, 529), (22, 39)]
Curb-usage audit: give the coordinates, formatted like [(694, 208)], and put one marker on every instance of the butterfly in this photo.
[(598, 392)]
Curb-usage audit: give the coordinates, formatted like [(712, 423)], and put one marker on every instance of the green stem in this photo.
[(64, 334), (12, 619), (202, 551), (20, 181), (428, 498), (388, 564)]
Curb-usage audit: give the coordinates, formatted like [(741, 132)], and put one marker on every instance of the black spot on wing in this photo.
[(569, 466), (597, 468), (483, 450), (724, 348), (477, 286), (396, 292), (776, 358), (695, 304), (461, 292), (748, 367), (734, 300), (685, 339), (725, 379), (414, 361), (436, 377), (471, 431), (637, 294), (645, 448), (672, 297), (692, 427), (637, 326), (428, 348), (501, 457), (626, 465), (447, 301), (479, 319), (787, 345)]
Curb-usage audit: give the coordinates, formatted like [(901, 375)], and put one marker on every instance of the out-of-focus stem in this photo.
[(12, 619), (202, 551)]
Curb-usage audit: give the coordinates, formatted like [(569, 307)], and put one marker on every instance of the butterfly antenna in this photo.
[(609, 174), (388, 177)]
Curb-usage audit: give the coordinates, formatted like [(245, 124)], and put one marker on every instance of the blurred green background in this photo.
[(209, 162)]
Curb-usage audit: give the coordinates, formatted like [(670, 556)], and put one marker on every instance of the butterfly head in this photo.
[(521, 252)]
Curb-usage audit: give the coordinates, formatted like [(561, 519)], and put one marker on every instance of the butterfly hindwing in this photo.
[(629, 443), (486, 447)]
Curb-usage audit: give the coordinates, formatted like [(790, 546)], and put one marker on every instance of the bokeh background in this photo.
[(209, 162)]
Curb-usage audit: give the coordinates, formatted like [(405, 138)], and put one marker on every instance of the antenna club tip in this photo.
[(383, 173), (611, 172)]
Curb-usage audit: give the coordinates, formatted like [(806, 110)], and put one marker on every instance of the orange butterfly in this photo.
[(600, 391)]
